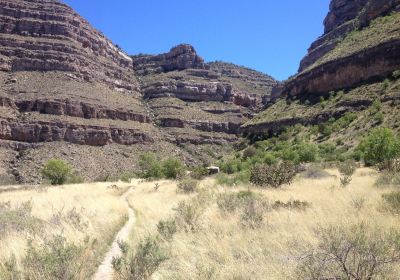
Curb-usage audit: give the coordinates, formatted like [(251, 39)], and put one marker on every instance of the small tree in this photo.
[(173, 168), (379, 145), (149, 166), (57, 171)]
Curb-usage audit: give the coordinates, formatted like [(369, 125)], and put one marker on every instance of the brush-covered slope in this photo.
[(352, 68)]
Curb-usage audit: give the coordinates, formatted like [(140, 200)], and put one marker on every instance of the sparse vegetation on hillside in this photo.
[(380, 30)]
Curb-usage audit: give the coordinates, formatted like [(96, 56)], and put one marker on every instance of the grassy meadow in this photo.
[(210, 232)]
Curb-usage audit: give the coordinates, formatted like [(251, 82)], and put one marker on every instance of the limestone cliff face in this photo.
[(46, 35), (344, 17), (360, 44), (67, 91), (178, 58), (359, 49)]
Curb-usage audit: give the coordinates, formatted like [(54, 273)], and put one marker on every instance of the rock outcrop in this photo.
[(357, 58), (343, 18), (178, 58), (361, 44), (47, 35)]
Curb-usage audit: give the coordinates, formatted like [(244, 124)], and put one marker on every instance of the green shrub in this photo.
[(231, 166), (57, 171), (291, 155), (355, 252), (273, 175), (249, 152), (269, 158), (55, 259), (242, 177), (379, 117), (188, 185), (149, 166), (199, 173), (392, 201), (167, 228), (173, 168), (307, 152), (379, 145), (127, 177), (145, 259), (75, 179)]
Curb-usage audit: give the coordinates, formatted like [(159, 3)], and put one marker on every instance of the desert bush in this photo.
[(143, 261), (188, 185), (199, 173), (167, 228), (357, 252), (291, 205), (249, 152), (74, 178), (392, 201), (173, 168), (18, 218), (273, 175), (231, 166), (57, 171), (346, 170), (149, 166), (308, 152), (242, 177), (290, 154), (379, 145), (55, 259), (315, 172)]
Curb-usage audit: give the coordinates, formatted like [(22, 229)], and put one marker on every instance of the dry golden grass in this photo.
[(151, 206), (223, 249), (85, 211)]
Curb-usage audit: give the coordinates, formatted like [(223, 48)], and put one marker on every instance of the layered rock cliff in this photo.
[(67, 91), (357, 59)]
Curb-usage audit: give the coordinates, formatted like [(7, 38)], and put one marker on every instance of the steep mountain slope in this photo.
[(352, 68), (68, 92)]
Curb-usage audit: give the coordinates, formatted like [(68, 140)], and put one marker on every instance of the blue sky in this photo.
[(267, 35)]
